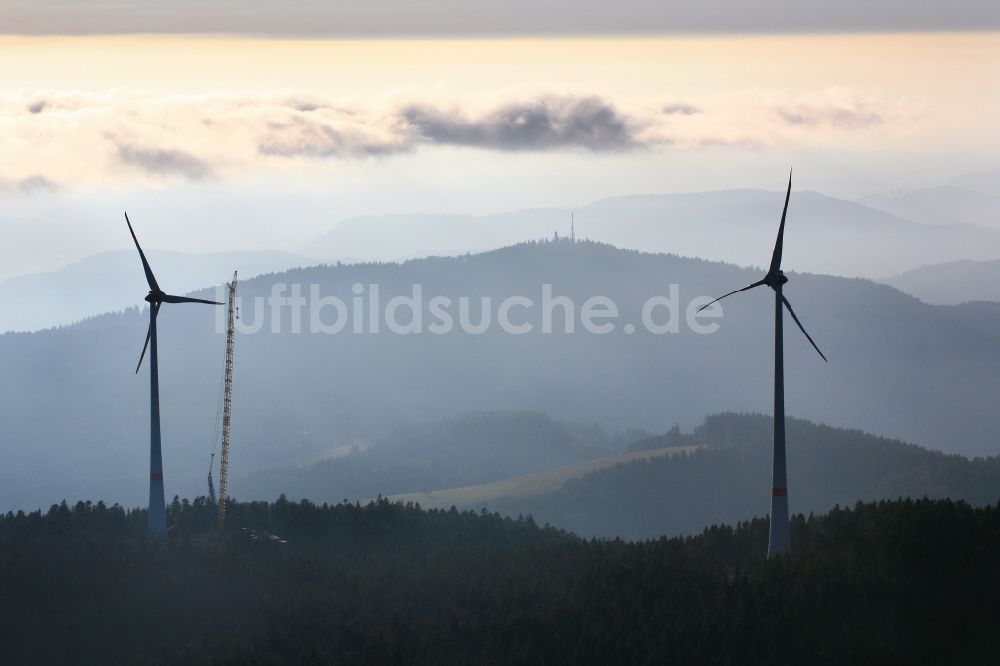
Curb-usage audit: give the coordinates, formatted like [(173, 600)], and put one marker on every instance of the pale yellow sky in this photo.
[(343, 127), (211, 99)]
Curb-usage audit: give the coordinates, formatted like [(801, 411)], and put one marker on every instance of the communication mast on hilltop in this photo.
[(572, 228), (227, 408)]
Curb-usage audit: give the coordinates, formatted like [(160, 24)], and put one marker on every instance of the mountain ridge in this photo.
[(951, 283), (898, 367), (735, 226)]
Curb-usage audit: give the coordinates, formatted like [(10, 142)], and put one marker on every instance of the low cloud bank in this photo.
[(69, 138)]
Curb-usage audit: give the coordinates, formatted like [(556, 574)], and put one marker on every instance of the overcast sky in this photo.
[(490, 17)]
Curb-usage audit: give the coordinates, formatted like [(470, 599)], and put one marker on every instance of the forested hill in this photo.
[(466, 450), (478, 459), (74, 418), (729, 477), (898, 582)]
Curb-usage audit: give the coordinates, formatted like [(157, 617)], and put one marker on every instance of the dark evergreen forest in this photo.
[(894, 582)]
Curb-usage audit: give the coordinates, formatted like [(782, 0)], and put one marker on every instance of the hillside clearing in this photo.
[(530, 485)]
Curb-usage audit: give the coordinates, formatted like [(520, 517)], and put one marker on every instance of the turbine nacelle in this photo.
[(775, 279)]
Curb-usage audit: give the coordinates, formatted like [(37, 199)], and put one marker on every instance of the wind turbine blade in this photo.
[(746, 288), (167, 298), (149, 332), (802, 328), (143, 354), (150, 279), (776, 257)]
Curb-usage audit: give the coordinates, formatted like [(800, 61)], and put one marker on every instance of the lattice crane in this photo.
[(227, 405)]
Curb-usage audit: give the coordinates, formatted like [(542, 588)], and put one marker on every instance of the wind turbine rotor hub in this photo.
[(775, 280)]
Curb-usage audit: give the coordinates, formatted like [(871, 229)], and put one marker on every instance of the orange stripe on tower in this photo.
[(779, 492), (156, 477)]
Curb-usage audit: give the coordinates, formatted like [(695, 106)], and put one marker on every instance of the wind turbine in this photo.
[(778, 542), (157, 517)]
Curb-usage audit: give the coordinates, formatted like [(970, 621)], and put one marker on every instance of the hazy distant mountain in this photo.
[(951, 283), (986, 181), (826, 235), (727, 479), (112, 281), (74, 417), (947, 204)]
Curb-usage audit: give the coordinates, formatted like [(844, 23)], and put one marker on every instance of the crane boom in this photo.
[(227, 408), (211, 486)]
